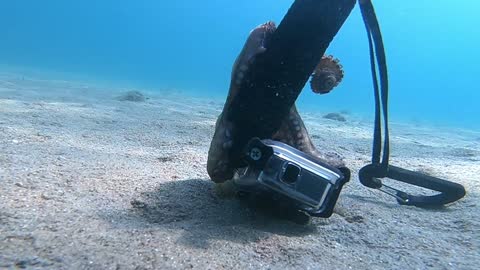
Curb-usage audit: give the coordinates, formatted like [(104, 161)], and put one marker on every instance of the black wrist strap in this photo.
[(369, 175)]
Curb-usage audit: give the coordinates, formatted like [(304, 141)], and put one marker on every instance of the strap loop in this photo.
[(370, 174)]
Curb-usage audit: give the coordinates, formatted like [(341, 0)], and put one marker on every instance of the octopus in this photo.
[(326, 75)]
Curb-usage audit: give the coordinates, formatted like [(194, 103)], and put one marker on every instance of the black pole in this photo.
[(276, 78)]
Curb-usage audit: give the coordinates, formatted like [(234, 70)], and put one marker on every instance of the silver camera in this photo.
[(292, 177)]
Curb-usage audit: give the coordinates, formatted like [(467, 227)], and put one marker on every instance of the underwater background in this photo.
[(431, 48)]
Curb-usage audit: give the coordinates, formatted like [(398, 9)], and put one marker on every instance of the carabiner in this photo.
[(449, 192), (402, 197)]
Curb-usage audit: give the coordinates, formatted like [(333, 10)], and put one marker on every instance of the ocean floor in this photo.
[(88, 181)]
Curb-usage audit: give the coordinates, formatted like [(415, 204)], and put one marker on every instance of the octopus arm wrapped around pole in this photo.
[(269, 74)]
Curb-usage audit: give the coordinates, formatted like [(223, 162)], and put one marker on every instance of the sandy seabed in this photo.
[(91, 182)]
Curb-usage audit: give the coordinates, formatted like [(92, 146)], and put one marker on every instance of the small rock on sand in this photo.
[(335, 116), (134, 96)]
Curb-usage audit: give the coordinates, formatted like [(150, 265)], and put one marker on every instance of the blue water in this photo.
[(431, 48)]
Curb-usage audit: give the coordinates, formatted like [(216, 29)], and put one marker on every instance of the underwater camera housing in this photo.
[(291, 177)]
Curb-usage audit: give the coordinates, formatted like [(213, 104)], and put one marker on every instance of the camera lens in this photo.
[(290, 174)]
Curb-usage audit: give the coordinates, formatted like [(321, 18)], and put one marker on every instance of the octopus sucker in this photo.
[(327, 75)]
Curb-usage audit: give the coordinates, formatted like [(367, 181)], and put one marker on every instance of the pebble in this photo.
[(134, 96), (335, 116), (18, 184), (138, 204), (46, 197)]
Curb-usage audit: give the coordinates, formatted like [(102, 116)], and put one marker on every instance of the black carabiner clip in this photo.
[(370, 175), (449, 192)]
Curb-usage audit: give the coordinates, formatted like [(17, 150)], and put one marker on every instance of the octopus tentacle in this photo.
[(218, 163), (254, 46), (294, 133), (327, 75)]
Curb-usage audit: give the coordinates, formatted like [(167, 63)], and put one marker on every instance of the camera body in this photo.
[(289, 175)]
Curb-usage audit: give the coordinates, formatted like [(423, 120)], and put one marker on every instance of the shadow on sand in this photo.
[(195, 207)]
